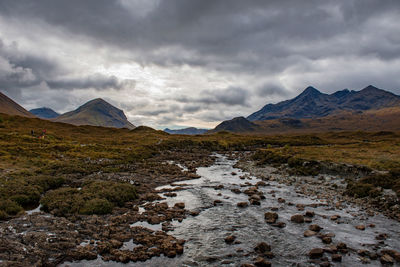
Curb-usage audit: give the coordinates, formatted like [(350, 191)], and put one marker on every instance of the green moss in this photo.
[(95, 197), (10, 207), (361, 190), (96, 206)]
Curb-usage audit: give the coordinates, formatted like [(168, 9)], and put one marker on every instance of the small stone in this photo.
[(341, 246), (242, 204), (327, 239), (387, 259), (310, 214), (298, 218), (270, 217), (335, 217), (309, 233), (217, 202), (316, 253), (261, 262), (230, 239), (262, 248), (336, 257), (179, 205), (279, 224), (315, 227), (360, 227)]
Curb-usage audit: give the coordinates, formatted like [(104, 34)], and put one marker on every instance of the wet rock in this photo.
[(316, 253), (382, 236), (261, 183), (270, 217), (236, 191), (150, 197), (230, 239), (309, 214), (336, 257), (219, 187), (307, 220), (255, 202), (360, 227), (393, 253), (261, 262), (194, 213), (335, 217), (279, 224), (387, 259), (325, 264), (363, 252), (262, 248), (327, 239), (247, 265), (281, 200), (309, 233), (170, 194), (179, 205), (297, 218), (315, 227), (242, 204), (217, 202)]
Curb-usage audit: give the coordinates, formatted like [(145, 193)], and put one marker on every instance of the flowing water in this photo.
[(205, 233)]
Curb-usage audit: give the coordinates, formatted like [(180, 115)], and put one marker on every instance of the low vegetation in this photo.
[(51, 170)]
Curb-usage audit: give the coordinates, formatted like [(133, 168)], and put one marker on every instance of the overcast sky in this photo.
[(193, 62)]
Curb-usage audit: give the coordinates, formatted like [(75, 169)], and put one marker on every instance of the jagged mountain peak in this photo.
[(311, 103)]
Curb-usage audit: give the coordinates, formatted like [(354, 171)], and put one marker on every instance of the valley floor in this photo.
[(100, 196)]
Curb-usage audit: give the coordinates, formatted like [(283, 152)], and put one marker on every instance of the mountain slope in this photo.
[(44, 113), (187, 131), (236, 125), (311, 103), (96, 112), (8, 106)]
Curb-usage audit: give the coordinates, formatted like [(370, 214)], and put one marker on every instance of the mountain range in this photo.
[(311, 103), (187, 131), (96, 112), (44, 113), (369, 109)]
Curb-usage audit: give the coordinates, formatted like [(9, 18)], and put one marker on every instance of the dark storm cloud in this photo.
[(258, 50), (228, 96), (97, 81)]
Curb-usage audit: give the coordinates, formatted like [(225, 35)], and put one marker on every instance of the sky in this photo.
[(177, 63)]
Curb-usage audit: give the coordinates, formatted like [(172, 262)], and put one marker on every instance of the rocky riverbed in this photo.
[(234, 214)]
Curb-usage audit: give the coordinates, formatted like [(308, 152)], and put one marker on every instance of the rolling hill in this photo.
[(8, 106), (96, 112)]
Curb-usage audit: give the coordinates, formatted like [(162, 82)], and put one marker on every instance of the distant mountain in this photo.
[(8, 106), (311, 103), (236, 125), (188, 131), (96, 112), (44, 113)]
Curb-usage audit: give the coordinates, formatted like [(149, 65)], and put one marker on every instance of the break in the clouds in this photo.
[(193, 63)]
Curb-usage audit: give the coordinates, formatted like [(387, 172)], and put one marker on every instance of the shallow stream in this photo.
[(205, 233)]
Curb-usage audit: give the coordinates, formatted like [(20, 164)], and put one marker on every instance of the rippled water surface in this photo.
[(205, 233)]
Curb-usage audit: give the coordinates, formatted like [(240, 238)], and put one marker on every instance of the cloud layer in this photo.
[(193, 63)]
